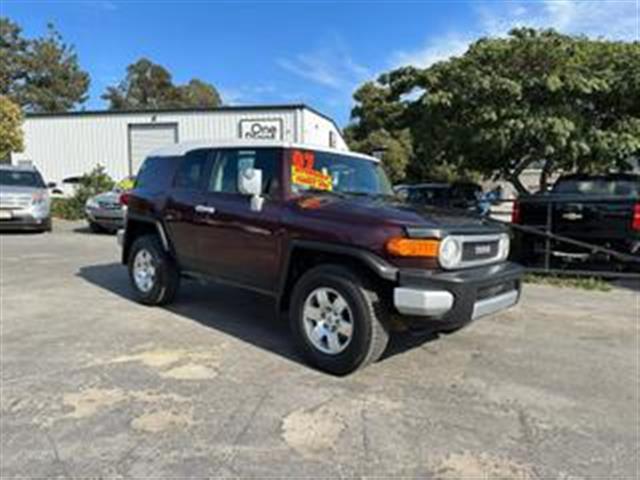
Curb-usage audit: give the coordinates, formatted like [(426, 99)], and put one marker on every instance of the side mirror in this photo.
[(250, 183), (51, 185)]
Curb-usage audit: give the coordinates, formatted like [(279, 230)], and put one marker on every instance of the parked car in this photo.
[(601, 210), (105, 212), (465, 196), (319, 231), (24, 199), (66, 188)]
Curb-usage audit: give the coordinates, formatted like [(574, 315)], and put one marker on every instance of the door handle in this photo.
[(205, 209)]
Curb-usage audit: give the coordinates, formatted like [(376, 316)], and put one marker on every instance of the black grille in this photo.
[(480, 250)]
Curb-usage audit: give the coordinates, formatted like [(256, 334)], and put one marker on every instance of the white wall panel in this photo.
[(68, 145), (318, 129)]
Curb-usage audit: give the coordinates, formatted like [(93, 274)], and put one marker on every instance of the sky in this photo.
[(316, 52)]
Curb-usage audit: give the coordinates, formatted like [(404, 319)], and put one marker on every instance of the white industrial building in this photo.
[(70, 144)]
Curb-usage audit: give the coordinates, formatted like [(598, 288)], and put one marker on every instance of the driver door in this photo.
[(239, 245)]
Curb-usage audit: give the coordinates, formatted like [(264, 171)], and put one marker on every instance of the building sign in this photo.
[(261, 129)]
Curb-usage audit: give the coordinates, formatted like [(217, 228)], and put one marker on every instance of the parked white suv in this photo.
[(24, 199)]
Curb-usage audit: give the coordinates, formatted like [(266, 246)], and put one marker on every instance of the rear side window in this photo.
[(597, 186), (191, 170), (224, 174), (155, 173)]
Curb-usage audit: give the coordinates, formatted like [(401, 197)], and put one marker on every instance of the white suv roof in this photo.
[(184, 147)]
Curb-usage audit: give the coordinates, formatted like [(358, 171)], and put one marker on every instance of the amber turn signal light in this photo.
[(413, 247)]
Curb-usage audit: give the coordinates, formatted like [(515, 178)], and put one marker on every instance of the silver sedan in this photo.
[(104, 212)]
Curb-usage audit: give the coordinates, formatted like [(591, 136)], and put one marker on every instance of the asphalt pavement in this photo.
[(93, 384)]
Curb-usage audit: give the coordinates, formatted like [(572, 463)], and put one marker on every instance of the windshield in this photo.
[(20, 178), (597, 186), (333, 172)]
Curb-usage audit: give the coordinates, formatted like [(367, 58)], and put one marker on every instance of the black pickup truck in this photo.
[(599, 210)]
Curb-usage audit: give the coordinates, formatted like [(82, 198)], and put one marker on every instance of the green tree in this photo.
[(567, 103), (40, 74), (377, 125), (11, 137), (149, 86), (396, 147), (199, 94)]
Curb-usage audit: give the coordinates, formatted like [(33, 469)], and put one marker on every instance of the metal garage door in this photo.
[(146, 138)]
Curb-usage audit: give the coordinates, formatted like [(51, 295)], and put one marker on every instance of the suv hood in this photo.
[(392, 211)]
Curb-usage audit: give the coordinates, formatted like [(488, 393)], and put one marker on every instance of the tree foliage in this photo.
[(397, 149), (149, 86), (541, 97), (379, 127), (40, 74), (11, 136)]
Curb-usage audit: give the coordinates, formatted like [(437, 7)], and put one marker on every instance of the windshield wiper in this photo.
[(320, 191), (369, 194)]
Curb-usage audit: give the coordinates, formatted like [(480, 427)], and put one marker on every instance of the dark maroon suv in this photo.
[(320, 232)]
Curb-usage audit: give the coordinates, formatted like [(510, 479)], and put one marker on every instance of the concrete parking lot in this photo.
[(96, 385)]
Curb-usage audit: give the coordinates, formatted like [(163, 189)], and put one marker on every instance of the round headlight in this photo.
[(450, 253), (504, 246)]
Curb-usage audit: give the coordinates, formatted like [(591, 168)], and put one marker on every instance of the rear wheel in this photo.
[(95, 227), (338, 319), (153, 273)]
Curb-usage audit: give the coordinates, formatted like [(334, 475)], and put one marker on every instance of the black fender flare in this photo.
[(160, 229), (382, 268)]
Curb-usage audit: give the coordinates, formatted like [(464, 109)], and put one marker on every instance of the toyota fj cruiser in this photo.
[(321, 232)]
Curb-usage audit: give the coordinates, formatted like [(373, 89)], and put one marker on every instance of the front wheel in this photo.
[(338, 320), (153, 273)]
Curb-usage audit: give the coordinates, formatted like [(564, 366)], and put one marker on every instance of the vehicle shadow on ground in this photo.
[(632, 284), (245, 315), (18, 232), (87, 231)]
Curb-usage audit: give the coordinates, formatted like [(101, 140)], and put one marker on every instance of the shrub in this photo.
[(92, 183), (65, 208)]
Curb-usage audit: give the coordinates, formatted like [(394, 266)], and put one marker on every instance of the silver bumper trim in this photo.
[(431, 303), (494, 304)]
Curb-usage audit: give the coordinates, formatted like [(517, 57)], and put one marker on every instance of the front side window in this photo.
[(191, 170), (21, 178), (224, 174), (342, 173)]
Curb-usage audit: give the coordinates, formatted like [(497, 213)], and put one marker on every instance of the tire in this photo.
[(163, 283), (366, 310), (95, 228)]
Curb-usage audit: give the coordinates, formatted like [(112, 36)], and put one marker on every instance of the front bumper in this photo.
[(457, 297), (26, 223), (31, 218)]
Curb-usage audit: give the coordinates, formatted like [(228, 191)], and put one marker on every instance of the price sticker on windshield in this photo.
[(304, 174)]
